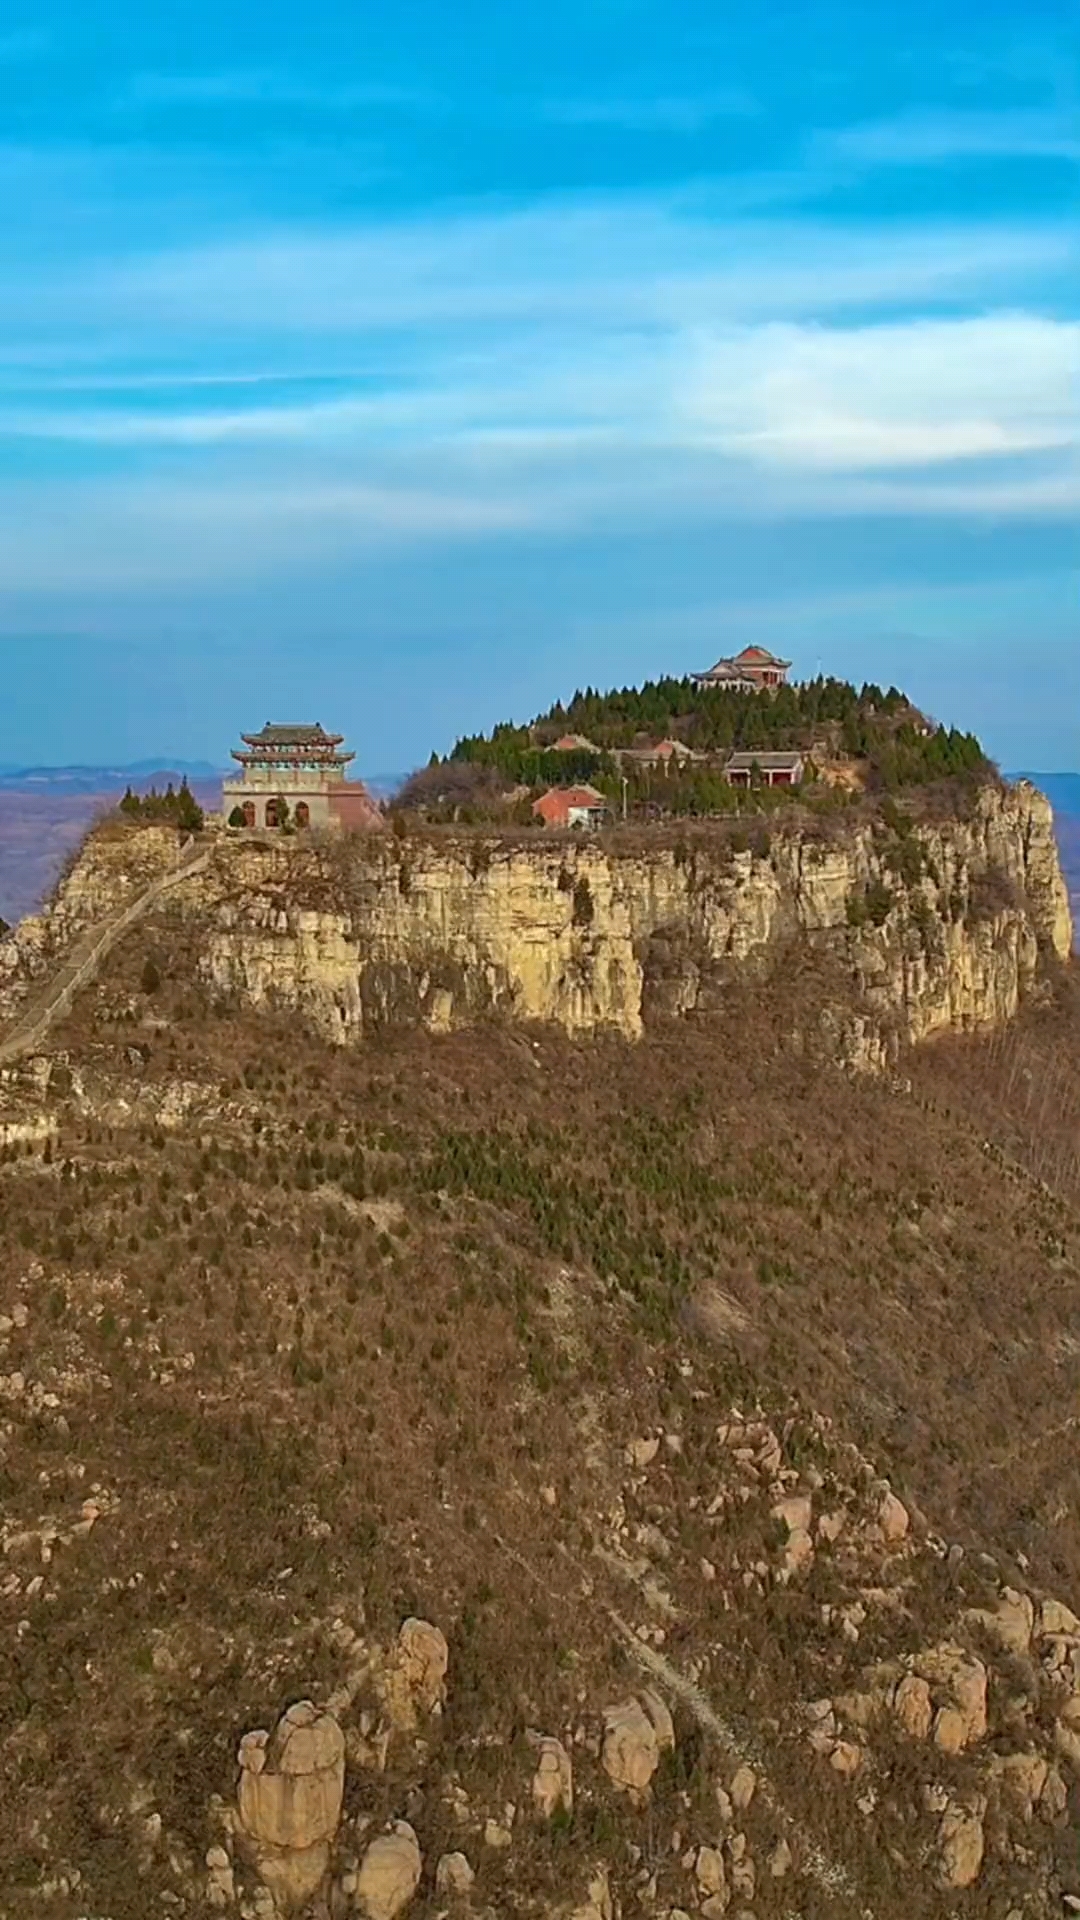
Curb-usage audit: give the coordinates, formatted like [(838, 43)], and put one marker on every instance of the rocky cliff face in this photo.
[(930, 926)]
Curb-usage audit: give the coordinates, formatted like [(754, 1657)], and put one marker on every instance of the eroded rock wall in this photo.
[(935, 926)]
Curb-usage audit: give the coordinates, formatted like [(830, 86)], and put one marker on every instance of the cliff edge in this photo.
[(924, 925)]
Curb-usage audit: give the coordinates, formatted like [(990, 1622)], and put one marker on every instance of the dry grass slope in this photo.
[(299, 1342)]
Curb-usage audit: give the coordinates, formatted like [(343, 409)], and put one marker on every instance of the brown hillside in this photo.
[(533, 1340)]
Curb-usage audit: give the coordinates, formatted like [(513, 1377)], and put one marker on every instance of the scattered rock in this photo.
[(724, 1806), (961, 1844), (631, 1751), (497, 1835), (845, 1758), (1022, 1779), (1010, 1623), (598, 1905), (743, 1876), (389, 1873), (659, 1714), (552, 1787), (795, 1512), (913, 1708), (960, 1679), (220, 1886), (642, 1453), (709, 1873), (453, 1876), (1056, 1618), (414, 1682), (289, 1802), (743, 1787), (780, 1860), (893, 1519)]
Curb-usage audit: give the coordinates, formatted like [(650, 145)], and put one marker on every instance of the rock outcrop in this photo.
[(389, 1873), (591, 935), (553, 1781), (291, 1785)]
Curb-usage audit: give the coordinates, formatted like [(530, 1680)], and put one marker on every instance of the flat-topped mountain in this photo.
[(536, 1368)]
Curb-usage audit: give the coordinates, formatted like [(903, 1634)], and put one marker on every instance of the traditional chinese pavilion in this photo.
[(746, 672), (296, 776)]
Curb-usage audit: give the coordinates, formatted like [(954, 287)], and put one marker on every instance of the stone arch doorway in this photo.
[(303, 814), (249, 813), (271, 813)]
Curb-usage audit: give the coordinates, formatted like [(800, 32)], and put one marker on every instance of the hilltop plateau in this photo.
[(586, 1330)]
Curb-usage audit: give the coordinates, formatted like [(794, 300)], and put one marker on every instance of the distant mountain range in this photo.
[(141, 773), (104, 779)]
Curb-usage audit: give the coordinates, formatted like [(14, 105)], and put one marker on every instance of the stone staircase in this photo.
[(56, 996)]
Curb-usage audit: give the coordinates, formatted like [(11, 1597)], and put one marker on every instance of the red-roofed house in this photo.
[(574, 743), (666, 754), (571, 807)]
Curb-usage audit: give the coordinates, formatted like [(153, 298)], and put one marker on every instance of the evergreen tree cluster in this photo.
[(176, 807), (883, 730)]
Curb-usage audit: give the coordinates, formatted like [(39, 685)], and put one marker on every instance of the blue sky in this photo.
[(405, 366)]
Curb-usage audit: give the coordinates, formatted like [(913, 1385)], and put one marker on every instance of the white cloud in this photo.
[(910, 394), (623, 362), (627, 261)]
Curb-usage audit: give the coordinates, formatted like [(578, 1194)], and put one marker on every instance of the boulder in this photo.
[(893, 1518), (289, 1802), (961, 1843), (795, 1512), (552, 1786), (1010, 1623), (453, 1877), (780, 1860), (631, 1751), (845, 1758), (958, 1680), (709, 1873), (1022, 1780), (659, 1714), (798, 1550), (1056, 1618), (413, 1683), (598, 1904), (389, 1873), (912, 1707), (743, 1787)]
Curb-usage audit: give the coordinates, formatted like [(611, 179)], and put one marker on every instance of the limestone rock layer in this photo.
[(946, 924)]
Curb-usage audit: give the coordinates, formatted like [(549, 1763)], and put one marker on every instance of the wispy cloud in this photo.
[(923, 138), (625, 262)]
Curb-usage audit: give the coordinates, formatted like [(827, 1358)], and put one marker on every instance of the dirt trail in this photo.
[(57, 995)]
